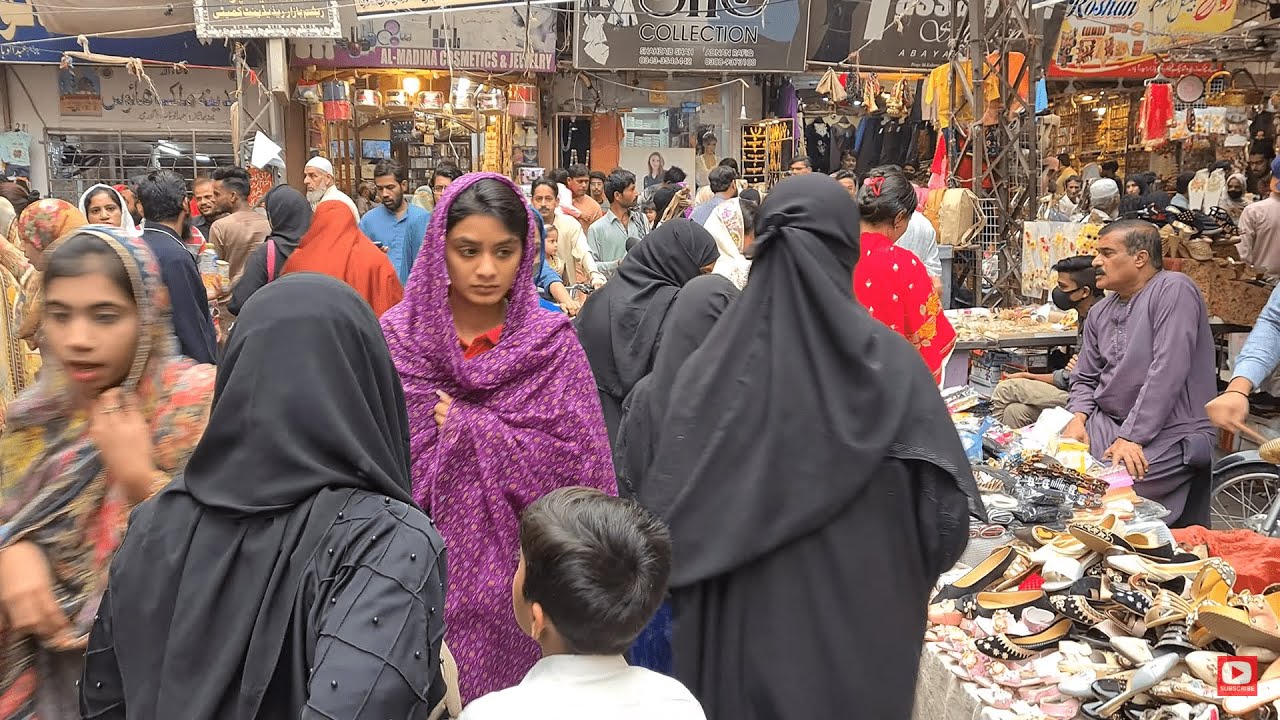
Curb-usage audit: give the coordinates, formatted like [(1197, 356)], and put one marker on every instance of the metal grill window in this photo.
[(79, 160)]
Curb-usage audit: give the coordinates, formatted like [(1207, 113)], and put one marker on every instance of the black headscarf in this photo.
[(783, 415), (695, 311), (308, 409), (290, 217), (1131, 203), (662, 197), (620, 324)]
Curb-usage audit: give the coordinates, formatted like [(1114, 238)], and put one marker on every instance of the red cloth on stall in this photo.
[(1157, 112), (1256, 558)]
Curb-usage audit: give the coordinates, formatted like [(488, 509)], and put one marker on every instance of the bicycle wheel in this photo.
[(1243, 496)]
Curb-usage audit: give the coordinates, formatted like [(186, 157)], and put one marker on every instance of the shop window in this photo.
[(78, 160)]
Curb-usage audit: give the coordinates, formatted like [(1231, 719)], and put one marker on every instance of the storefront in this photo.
[(92, 124), (459, 87)]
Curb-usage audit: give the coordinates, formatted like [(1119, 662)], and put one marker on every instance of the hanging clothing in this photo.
[(799, 429), (1146, 369), (870, 142), (334, 246), (620, 324), (18, 364), (727, 227), (817, 141), (43, 222), (894, 287), (127, 222), (524, 421), (290, 216), (56, 492), (235, 544)]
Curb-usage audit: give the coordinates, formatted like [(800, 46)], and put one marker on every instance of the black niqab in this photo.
[(662, 197), (812, 479), (290, 216), (308, 410), (692, 315), (621, 323)]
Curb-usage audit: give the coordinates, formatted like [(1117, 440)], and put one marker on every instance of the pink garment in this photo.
[(525, 420)]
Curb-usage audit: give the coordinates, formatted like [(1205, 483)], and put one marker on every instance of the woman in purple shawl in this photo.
[(502, 410)]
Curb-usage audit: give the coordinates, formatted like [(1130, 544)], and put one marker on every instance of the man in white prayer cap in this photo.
[(318, 177), (1104, 201)]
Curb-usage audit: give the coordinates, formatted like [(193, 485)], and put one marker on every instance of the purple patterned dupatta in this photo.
[(525, 420)]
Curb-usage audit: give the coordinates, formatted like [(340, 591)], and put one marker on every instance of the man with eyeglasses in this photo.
[(444, 175), (801, 166)]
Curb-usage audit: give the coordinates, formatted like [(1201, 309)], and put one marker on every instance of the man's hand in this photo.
[(1071, 364), (1075, 429), (1228, 411), (1129, 454)]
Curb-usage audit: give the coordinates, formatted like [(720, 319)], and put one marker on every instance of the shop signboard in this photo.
[(24, 38), (196, 98), (219, 19), (715, 35), (481, 40), (1117, 38), (885, 33)]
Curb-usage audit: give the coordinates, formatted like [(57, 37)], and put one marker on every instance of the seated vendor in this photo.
[(1019, 399), (1145, 371)]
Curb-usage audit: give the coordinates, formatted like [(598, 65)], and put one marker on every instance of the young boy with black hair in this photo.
[(593, 570)]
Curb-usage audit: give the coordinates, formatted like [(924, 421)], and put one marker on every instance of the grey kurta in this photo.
[(1145, 371)]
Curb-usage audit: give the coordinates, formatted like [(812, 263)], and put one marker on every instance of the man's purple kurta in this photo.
[(1145, 371)]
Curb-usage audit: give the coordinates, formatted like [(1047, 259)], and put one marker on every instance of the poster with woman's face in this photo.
[(650, 164)]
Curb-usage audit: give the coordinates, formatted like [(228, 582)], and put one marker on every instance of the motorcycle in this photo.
[(1246, 492)]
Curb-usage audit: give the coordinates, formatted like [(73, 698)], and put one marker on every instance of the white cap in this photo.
[(321, 164)]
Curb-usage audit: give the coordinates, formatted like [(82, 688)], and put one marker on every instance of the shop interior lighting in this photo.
[(411, 85), (203, 159), (1086, 98), (168, 149), (1101, 111)]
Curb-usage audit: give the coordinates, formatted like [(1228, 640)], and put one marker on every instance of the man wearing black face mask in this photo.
[(1019, 400)]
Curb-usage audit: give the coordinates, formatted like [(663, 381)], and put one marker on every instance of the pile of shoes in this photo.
[(1101, 622)]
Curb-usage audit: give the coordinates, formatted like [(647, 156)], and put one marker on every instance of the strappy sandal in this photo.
[(1005, 647), (1166, 608), (1248, 620), (988, 573)]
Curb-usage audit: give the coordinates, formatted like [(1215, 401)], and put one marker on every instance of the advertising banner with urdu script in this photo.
[(483, 40), (723, 35), (217, 19), (1116, 38)]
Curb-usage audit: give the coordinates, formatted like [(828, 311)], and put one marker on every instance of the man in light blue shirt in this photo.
[(607, 237), (397, 225), (1258, 359)]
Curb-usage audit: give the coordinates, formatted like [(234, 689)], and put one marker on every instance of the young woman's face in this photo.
[(652, 215), (482, 257), (104, 210), (91, 326), (710, 147), (655, 163), (1132, 188)]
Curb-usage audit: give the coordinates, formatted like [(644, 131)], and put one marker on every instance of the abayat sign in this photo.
[(743, 35)]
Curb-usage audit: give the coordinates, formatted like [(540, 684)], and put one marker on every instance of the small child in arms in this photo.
[(593, 570)]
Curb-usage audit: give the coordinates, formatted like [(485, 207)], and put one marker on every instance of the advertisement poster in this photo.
[(744, 35), (639, 160), (483, 40), (217, 19), (1116, 38), (79, 92), (920, 40)]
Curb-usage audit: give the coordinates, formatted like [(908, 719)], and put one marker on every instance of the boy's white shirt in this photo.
[(588, 687)]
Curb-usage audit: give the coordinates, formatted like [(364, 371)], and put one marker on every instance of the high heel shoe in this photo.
[(980, 579), (1248, 620), (1144, 678)]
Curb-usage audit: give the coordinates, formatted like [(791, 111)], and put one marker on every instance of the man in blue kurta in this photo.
[(397, 225), (1145, 371)]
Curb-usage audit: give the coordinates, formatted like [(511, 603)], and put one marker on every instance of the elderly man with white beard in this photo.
[(318, 177)]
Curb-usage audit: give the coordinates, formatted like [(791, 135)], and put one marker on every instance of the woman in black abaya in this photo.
[(620, 325), (814, 485), (287, 573)]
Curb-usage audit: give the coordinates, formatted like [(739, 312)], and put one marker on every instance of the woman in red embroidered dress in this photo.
[(890, 281)]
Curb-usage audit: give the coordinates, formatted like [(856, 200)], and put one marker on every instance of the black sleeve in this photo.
[(101, 687), (192, 320), (378, 650), (251, 280)]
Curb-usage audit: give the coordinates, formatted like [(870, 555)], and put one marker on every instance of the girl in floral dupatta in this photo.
[(502, 410), (114, 417)]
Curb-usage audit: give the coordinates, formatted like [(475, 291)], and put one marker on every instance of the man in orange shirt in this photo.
[(579, 184)]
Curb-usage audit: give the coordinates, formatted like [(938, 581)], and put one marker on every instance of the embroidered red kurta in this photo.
[(892, 284)]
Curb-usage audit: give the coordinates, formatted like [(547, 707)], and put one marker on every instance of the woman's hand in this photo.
[(122, 436), (442, 407), (26, 592)]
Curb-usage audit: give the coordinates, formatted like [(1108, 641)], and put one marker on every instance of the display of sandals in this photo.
[(1138, 632)]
